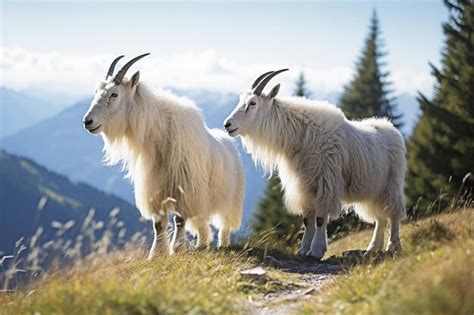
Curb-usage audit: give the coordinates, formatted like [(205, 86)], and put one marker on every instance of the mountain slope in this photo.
[(61, 144), (32, 196), (19, 110), (433, 275)]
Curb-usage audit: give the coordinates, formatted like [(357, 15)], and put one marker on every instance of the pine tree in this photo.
[(441, 149), (368, 94), (271, 212), (301, 89)]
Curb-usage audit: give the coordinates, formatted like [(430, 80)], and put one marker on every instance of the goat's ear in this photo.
[(135, 79), (274, 91)]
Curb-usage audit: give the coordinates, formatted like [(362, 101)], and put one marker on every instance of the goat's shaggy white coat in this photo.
[(174, 161), (325, 161)]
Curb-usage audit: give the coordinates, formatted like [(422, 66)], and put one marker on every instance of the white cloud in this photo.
[(57, 72), (410, 82)]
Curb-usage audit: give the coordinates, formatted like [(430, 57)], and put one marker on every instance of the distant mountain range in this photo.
[(31, 196), (19, 110)]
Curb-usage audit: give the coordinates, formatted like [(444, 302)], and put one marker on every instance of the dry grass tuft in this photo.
[(433, 275), (434, 231)]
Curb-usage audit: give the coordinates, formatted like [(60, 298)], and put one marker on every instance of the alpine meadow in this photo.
[(262, 157)]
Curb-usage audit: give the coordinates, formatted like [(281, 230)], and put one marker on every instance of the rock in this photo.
[(257, 274), (309, 291)]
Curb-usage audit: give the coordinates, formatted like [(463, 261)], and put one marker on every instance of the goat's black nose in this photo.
[(227, 125), (88, 122)]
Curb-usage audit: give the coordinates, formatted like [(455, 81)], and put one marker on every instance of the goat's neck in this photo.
[(281, 129), (151, 141)]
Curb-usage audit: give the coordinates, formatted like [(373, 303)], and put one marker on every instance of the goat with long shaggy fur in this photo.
[(325, 161), (174, 161)]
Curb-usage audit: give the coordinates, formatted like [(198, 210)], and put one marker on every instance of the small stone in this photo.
[(309, 291), (256, 274)]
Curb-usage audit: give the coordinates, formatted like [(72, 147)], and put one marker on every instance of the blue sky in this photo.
[(214, 44)]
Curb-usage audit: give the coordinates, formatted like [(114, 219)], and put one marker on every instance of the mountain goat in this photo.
[(323, 161), (174, 161)]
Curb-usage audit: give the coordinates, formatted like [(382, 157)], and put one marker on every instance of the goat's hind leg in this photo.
[(398, 214), (394, 244)]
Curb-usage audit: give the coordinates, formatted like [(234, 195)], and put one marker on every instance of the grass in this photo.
[(433, 275), (196, 282)]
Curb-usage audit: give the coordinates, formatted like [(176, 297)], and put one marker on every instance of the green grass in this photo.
[(196, 282), (433, 275)]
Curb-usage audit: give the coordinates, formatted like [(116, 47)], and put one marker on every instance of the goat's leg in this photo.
[(308, 234), (203, 234), (160, 241), (394, 244), (378, 237), (319, 244), (179, 240), (224, 237)]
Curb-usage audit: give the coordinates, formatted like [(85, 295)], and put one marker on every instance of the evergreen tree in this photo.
[(441, 149), (368, 94), (301, 89), (271, 212)]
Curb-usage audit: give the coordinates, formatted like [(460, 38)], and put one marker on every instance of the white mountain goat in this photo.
[(324, 161), (174, 161)]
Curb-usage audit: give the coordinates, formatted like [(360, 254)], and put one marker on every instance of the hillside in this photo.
[(61, 144), (432, 276), (31, 196), (19, 110)]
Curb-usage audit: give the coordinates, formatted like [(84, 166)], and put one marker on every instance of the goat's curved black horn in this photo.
[(259, 89), (112, 67), (119, 76), (260, 79)]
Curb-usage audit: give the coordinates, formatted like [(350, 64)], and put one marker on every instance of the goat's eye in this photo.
[(252, 103), (113, 95)]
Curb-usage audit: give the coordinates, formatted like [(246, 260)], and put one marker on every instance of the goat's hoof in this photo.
[(316, 253), (302, 252), (372, 251), (394, 247), (202, 247)]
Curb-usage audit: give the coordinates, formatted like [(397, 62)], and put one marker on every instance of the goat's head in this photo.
[(253, 106), (112, 96)]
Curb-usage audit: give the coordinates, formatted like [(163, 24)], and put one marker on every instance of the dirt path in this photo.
[(291, 295), (312, 277)]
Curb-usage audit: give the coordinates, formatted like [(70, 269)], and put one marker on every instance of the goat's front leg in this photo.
[(378, 237), (223, 237), (308, 234), (179, 240), (204, 234), (160, 241), (319, 244)]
